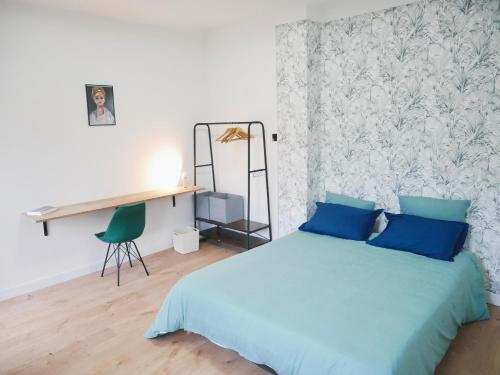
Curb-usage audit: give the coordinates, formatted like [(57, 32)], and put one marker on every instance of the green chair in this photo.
[(125, 226)]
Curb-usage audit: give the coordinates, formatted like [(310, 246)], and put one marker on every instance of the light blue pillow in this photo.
[(433, 208), (349, 201)]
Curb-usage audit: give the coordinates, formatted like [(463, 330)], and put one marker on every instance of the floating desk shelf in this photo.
[(101, 204)]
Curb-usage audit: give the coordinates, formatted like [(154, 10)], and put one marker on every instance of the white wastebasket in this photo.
[(186, 240)]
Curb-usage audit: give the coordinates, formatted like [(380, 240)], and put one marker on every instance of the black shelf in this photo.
[(240, 225), (232, 238), (238, 233)]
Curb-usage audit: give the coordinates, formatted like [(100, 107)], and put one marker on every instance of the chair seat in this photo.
[(109, 238), (103, 238), (125, 226)]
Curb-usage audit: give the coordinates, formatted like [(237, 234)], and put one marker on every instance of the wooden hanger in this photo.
[(227, 135), (232, 134), (239, 134)]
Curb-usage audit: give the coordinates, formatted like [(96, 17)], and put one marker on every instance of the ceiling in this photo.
[(206, 14), (180, 14)]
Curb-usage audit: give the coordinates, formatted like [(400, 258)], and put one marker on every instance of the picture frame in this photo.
[(100, 105)]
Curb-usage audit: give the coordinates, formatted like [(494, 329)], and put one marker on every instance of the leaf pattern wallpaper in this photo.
[(292, 107), (404, 101)]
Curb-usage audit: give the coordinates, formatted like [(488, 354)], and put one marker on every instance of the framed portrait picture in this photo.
[(100, 105)]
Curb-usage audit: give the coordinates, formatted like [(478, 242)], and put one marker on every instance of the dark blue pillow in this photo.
[(461, 240), (341, 221), (433, 238)]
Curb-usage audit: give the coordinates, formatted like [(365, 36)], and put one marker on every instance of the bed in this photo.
[(313, 304)]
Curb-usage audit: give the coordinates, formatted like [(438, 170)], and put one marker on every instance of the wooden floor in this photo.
[(90, 326)]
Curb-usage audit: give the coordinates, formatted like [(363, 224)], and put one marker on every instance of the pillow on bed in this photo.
[(341, 221), (433, 208), (348, 201), (438, 239), (461, 240)]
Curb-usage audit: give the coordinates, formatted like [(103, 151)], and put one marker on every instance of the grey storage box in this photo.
[(221, 207), (202, 205), (225, 208), (203, 209)]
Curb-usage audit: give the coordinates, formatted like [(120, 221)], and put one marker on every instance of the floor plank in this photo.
[(90, 326)]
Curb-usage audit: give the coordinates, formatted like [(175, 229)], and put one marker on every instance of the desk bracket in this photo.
[(173, 200), (45, 229)]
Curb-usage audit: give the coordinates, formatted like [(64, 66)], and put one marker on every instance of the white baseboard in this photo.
[(45, 282), (493, 299)]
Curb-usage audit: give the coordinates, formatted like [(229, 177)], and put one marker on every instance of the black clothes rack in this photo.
[(241, 233)]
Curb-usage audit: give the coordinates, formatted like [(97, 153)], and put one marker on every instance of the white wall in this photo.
[(241, 80), (164, 82), (49, 155)]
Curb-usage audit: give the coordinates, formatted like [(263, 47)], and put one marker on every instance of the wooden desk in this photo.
[(101, 204)]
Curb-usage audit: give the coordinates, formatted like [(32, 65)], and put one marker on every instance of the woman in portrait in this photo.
[(101, 115)]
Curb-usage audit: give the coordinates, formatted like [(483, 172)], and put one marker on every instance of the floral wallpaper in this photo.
[(404, 101), (292, 72)]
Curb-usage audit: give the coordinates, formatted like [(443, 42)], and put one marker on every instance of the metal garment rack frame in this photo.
[(243, 226)]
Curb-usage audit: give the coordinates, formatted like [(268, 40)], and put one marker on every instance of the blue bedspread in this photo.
[(311, 304)]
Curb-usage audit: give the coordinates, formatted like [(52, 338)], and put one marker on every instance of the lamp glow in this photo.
[(164, 169)]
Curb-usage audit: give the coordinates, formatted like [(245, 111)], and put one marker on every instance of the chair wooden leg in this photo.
[(140, 258), (127, 244), (105, 261)]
